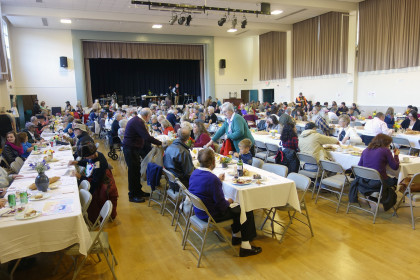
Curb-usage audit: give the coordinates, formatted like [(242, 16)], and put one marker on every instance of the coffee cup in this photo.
[(406, 159)]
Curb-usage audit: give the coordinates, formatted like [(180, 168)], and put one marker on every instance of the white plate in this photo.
[(44, 196), (54, 185), (251, 180), (22, 216), (7, 212)]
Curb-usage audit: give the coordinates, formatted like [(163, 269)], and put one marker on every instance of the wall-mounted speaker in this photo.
[(222, 63), (266, 8), (63, 61)]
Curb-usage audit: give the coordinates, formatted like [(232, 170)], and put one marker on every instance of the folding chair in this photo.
[(184, 211), (403, 142), (199, 226), (370, 174), (84, 185), (313, 174), (171, 196), (85, 200), (302, 184), (100, 243), (3, 162), (161, 194), (256, 162), (336, 182), (412, 197), (278, 169), (261, 150), (15, 166), (272, 151)]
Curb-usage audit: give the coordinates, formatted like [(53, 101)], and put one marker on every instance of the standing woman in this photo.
[(389, 117), (12, 149)]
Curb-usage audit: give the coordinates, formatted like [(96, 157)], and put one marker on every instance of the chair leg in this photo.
[(202, 247), (109, 265), (339, 199), (266, 218), (413, 222), (58, 263), (79, 267), (309, 220), (112, 253), (313, 191), (14, 269)]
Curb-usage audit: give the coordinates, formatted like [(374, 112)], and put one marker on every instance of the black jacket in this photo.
[(406, 123), (97, 175), (288, 157), (36, 110), (178, 161), (30, 138), (9, 154), (367, 187)]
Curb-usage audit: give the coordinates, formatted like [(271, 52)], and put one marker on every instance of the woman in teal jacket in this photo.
[(235, 127)]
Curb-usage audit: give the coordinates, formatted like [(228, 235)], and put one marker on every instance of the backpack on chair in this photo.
[(288, 157)]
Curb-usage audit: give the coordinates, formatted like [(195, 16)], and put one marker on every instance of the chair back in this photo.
[(256, 162), (415, 179), (278, 169), (331, 166), (272, 148), (85, 199), (105, 213), (181, 185), (367, 173), (302, 183), (20, 161), (15, 166), (401, 141), (196, 201), (3, 162), (260, 145), (306, 158), (169, 176), (84, 185)]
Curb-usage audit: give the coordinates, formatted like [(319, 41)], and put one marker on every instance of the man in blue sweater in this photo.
[(208, 187)]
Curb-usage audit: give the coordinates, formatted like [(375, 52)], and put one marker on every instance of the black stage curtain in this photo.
[(135, 77)]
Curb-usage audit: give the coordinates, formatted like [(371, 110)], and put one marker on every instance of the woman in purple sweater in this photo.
[(378, 156)]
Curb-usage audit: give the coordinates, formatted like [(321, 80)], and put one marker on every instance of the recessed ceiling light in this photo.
[(65, 20), (232, 30), (157, 26), (276, 12)]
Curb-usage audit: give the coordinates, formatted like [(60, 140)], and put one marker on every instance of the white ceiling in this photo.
[(122, 16)]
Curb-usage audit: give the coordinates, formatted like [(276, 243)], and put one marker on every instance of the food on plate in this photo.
[(32, 186), (30, 214), (38, 196), (242, 181), (257, 176), (259, 182), (412, 132), (64, 148)]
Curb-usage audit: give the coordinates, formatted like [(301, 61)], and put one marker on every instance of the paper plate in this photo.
[(27, 217), (44, 196)]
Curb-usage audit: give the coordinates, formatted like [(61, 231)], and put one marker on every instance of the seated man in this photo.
[(377, 126), (178, 160), (208, 187)]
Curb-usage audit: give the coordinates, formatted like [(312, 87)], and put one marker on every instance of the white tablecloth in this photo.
[(46, 233), (413, 138), (266, 138)]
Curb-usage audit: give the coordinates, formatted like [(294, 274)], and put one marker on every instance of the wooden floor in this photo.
[(345, 246)]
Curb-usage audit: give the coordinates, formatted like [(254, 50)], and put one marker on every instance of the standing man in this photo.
[(301, 100), (36, 109), (175, 92), (137, 143)]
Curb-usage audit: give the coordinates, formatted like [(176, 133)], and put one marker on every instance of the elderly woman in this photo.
[(347, 134), (202, 137), (166, 127), (212, 118), (412, 122), (235, 128), (121, 130)]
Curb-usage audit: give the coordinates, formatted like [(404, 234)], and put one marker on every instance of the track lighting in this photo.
[(189, 19), (244, 22), (173, 19), (222, 20), (181, 20), (234, 22)]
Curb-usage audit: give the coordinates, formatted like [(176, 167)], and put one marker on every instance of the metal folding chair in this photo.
[(184, 211), (403, 142), (198, 226), (85, 200), (272, 151), (335, 183), (161, 193), (302, 184), (260, 150), (370, 174), (171, 196), (84, 185), (256, 162), (278, 169), (412, 197), (313, 174)]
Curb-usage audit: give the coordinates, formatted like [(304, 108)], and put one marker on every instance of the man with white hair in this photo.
[(137, 143), (285, 118), (178, 160)]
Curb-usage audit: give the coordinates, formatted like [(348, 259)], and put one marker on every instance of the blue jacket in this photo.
[(154, 172), (172, 119), (240, 131), (389, 121), (25, 146)]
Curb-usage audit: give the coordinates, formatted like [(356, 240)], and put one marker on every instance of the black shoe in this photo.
[(236, 240), (249, 252), (144, 194), (136, 199)]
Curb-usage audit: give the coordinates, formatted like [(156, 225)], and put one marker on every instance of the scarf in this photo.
[(19, 149)]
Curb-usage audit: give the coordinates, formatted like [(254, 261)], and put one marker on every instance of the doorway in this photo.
[(268, 95), (25, 104)]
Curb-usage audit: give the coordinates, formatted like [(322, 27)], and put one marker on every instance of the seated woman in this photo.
[(68, 124), (12, 149), (389, 117), (27, 147), (121, 130), (166, 127), (289, 138), (273, 123), (202, 137), (251, 118), (300, 115), (412, 122), (347, 135), (378, 156), (208, 187)]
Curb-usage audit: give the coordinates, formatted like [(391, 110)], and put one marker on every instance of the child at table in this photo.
[(244, 151), (27, 147)]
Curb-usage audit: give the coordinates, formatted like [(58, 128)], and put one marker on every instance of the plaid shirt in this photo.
[(292, 144), (322, 124)]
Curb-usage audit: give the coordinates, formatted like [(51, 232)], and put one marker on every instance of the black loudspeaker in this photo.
[(222, 63), (266, 8), (63, 61)]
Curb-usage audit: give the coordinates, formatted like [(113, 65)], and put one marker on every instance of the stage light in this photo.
[(173, 19), (234, 22), (244, 22), (189, 19), (181, 20), (222, 21)]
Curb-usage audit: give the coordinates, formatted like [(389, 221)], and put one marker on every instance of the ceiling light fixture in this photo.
[(157, 26), (181, 20), (173, 19), (65, 21), (189, 19), (234, 22), (276, 12), (244, 22), (222, 20), (231, 30)]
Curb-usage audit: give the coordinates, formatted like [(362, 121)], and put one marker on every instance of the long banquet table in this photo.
[(61, 223)]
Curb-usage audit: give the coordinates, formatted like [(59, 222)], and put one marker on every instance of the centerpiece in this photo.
[(41, 181), (190, 142), (225, 160)]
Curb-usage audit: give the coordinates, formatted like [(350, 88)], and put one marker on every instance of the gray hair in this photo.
[(344, 118), (160, 118), (184, 134), (289, 111), (123, 123), (165, 124), (117, 116), (33, 118), (228, 107), (186, 124), (145, 112), (210, 109), (170, 111)]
